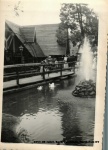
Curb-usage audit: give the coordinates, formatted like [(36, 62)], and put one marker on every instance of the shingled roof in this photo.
[(29, 33), (47, 40), (40, 40), (46, 37), (27, 37), (16, 29)]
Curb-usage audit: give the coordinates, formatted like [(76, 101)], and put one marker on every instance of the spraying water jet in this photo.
[(87, 86)]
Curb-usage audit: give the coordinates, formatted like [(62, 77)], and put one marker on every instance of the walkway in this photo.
[(35, 79)]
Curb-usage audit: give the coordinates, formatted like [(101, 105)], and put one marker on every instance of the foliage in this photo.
[(80, 19), (61, 35)]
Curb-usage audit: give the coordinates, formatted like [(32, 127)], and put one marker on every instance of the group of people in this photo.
[(69, 60), (52, 63)]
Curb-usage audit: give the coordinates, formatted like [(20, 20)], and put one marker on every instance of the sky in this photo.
[(37, 11)]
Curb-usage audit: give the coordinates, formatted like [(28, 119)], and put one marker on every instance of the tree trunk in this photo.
[(67, 45), (80, 20)]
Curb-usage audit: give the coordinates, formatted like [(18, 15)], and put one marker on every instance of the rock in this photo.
[(82, 93), (9, 123), (92, 93), (85, 89), (89, 86), (77, 88), (90, 89), (9, 133), (86, 93)]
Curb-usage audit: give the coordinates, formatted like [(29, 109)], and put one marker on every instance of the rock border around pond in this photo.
[(85, 89)]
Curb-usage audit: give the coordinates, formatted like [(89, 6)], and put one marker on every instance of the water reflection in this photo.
[(53, 114)]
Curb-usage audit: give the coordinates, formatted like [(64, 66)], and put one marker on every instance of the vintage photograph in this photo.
[(50, 74)]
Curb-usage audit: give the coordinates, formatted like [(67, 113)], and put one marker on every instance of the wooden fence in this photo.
[(16, 72)]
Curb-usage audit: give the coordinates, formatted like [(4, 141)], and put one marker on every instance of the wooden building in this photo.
[(21, 45), (46, 38), (27, 44)]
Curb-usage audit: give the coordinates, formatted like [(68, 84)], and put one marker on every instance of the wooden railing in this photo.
[(16, 72)]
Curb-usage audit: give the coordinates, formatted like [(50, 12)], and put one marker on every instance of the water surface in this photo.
[(53, 114)]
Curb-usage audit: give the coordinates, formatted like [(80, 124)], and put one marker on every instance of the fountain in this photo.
[(87, 85)]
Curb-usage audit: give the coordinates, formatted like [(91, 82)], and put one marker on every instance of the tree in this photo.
[(61, 35), (80, 19)]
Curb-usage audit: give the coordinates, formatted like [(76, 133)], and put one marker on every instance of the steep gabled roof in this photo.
[(46, 38), (16, 29), (28, 32), (26, 36)]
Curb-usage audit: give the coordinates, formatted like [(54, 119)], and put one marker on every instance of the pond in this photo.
[(53, 113)]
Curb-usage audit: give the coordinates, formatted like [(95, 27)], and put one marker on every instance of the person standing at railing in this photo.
[(49, 62), (41, 67), (44, 63), (71, 61), (65, 62), (74, 50), (49, 59), (53, 63), (73, 53), (56, 64)]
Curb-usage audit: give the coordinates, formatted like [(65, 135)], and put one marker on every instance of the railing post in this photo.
[(61, 70), (70, 66), (25, 71), (43, 72), (74, 67), (17, 77)]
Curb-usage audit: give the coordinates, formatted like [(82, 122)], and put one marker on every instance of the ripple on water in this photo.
[(53, 114)]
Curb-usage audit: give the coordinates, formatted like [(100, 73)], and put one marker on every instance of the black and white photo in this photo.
[(51, 73)]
